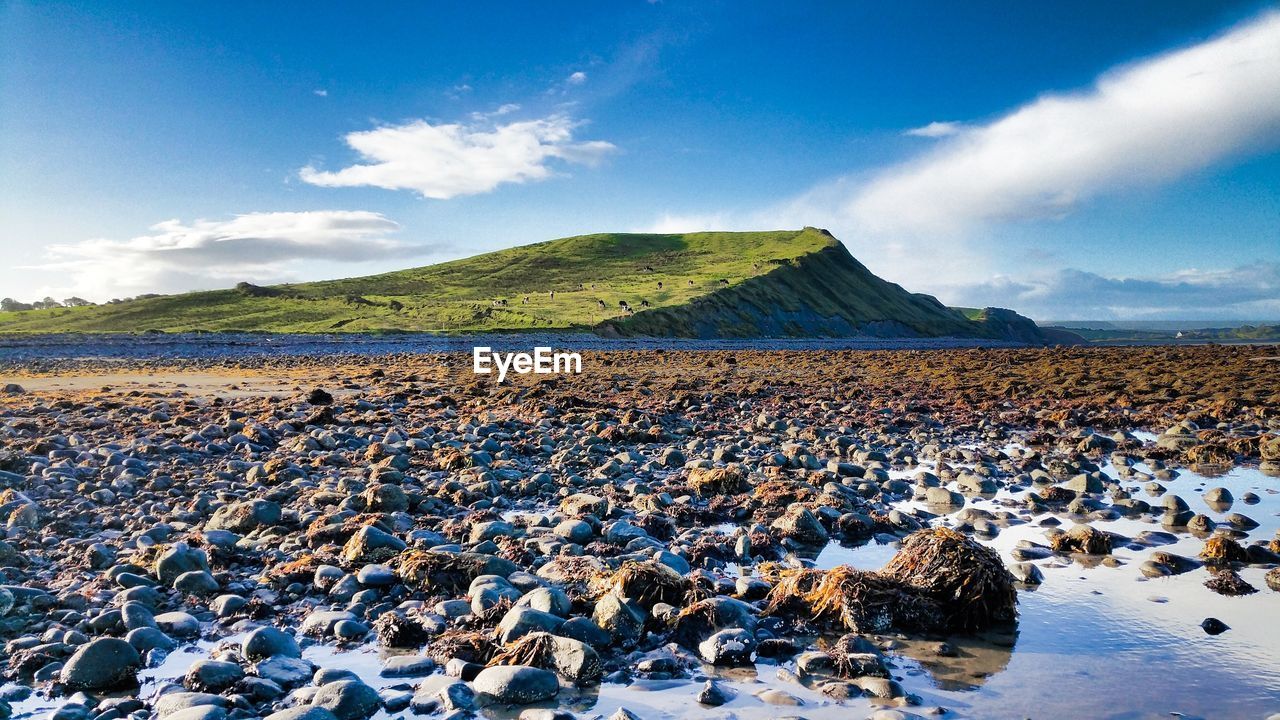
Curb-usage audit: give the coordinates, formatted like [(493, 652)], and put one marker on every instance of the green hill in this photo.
[(783, 283)]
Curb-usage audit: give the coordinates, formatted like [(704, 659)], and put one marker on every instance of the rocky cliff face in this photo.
[(825, 294)]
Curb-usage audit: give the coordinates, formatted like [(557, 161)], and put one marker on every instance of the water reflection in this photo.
[(969, 660)]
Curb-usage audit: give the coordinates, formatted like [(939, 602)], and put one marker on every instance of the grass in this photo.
[(793, 282)]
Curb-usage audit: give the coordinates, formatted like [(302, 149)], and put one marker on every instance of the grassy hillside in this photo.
[(700, 284)]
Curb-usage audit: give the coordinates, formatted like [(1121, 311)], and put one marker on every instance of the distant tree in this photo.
[(11, 305), (46, 304), (74, 301)]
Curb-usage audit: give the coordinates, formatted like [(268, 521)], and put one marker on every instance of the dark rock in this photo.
[(800, 526), (734, 647), (520, 621), (347, 699), (1214, 626), (266, 642), (102, 664), (714, 694), (516, 684), (245, 517), (213, 676)]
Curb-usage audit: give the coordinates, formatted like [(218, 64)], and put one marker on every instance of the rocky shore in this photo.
[(657, 522)]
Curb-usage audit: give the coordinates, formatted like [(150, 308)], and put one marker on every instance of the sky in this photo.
[(1084, 160)]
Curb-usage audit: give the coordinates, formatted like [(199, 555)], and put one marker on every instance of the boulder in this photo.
[(102, 664), (371, 545), (621, 619), (347, 699), (733, 647), (516, 684), (800, 526), (266, 642), (244, 517), (520, 621), (178, 559)]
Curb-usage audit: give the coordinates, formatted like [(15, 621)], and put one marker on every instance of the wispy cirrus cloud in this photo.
[(259, 247), (447, 160), (935, 130), (1147, 123), (1144, 124)]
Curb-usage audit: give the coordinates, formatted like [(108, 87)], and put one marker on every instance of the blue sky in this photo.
[(1069, 160)]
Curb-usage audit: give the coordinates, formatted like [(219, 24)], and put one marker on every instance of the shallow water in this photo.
[(1093, 641), (1100, 641)]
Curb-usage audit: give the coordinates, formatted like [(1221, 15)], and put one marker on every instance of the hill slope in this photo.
[(783, 283)]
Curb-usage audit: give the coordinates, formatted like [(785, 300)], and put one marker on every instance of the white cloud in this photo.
[(935, 130), (1148, 123), (925, 222), (576, 78), (321, 92), (447, 160), (1250, 292), (501, 110), (256, 247)]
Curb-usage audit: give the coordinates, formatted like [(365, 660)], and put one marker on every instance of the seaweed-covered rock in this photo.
[(1084, 539), (439, 571), (371, 545), (647, 583), (1222, 549), (1228, 582), (717, 481), (968, 581), (573, 660)]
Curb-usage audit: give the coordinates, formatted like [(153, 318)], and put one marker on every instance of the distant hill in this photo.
[(717, 284), (1169, 332)]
